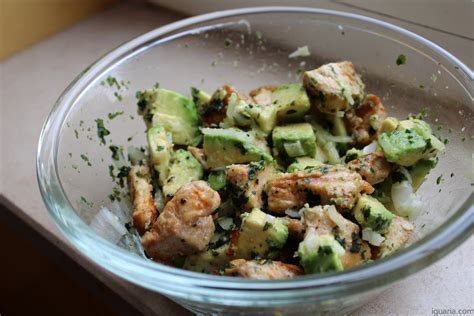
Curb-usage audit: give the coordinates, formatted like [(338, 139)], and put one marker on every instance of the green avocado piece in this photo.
[(160, 148), (320, 253), (294, 140), (291, 101), (229, 146), (184, 168), (403, 147), (173, 111), (419, 171), (210, 261), (217, 179), (301, 163), (369, 212), (261, 235)]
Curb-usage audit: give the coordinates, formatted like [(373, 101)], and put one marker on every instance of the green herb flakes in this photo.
[(101, 130), (113, 115), (401, 60)]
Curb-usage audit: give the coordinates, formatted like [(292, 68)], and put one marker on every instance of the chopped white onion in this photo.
[(292, 213), (226, 223), (370, 148), (372, 237), (405, 202), (159, 200), (300, 52), (135, 155), (336, 217), (108, 225)]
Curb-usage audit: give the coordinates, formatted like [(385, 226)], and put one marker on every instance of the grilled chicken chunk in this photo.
[(317, 186), (263, 269), (334, 87), (364, 121), (326, 220), (247, 182), (399, 232), (185, 226), (262, 95), (373, 167), (295, 228), (141, 195)]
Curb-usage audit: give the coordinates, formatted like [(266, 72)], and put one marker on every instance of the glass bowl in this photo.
[(248, 48)]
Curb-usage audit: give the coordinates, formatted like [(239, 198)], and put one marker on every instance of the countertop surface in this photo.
[(33, 79)]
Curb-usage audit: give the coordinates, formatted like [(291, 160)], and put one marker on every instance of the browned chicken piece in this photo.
[(262, 95), (215, 111), (185, 226), (295, 228), (141, 195), (327, 221), (263, 269), (334, 87), (247, 182), (199, 154), (399, 231), (373, 167), (317, 186), (364, 121)]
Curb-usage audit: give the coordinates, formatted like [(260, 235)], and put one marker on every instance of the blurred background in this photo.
[(44, 44)]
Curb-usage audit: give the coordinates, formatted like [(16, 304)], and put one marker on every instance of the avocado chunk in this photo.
[(291, 102), (261, 235), (184, 168), (228, 146), (242, 113), (160, 148), (419, 171), (217, 179), (334, 87), (200, 98), (294, 140), (389, 125), (301, 163), (210, 261), (370, 213), (173, 111), (320, 253), (402, 147)]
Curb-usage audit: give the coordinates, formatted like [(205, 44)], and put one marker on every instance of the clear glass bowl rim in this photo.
[(186, 284)]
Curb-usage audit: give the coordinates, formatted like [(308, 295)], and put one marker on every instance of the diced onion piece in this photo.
[(405, 202), (370, 148), (336, 217), (108, 225), (159, 200), (300, 52), (226, 223), (292, 213), (372, 237), (338, 139), (135, 155)]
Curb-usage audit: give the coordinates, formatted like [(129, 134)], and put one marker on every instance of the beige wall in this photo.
[(25, 22)]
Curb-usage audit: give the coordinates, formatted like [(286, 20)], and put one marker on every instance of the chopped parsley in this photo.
[(117, 152), (86, 159), (118, 96), (156, 85), (227, 43), (76, 133), (113, 115), (267, 226), (88, 203), (439, 180), (112, 81), (101, 130), (401, 60)]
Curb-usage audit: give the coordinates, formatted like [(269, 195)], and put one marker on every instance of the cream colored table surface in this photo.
[(32, 80)]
